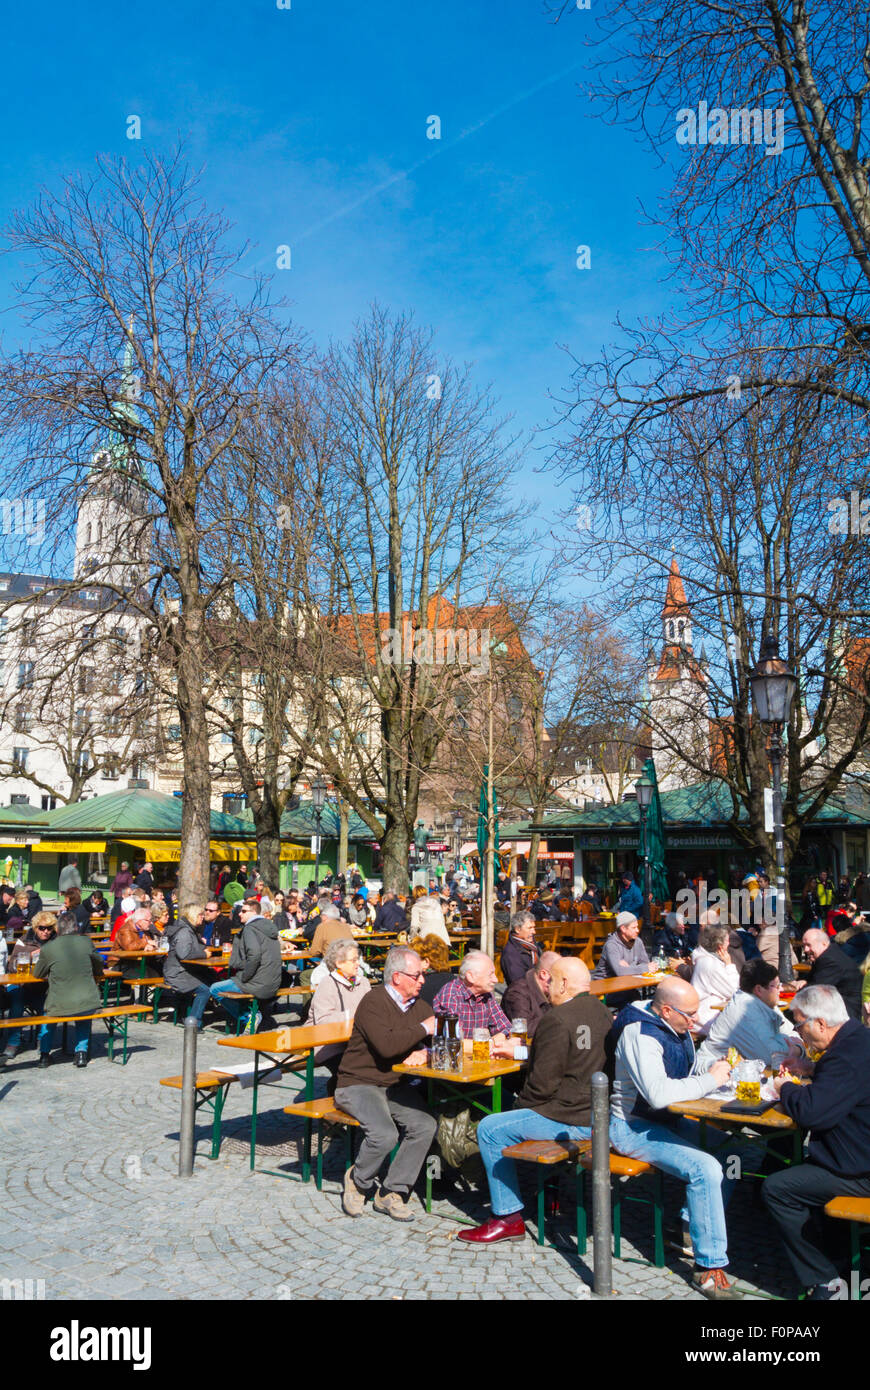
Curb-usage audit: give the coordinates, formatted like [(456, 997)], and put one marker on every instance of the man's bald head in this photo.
[(815, 943), (676, 1002), (568, 978), (546, 961)]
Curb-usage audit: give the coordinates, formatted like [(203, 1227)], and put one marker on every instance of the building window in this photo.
[(21, 719), (173, 732), (49, 803), (255, 736), (113, 722), (19, 759), (83, 760), (226, 738), (25, 675), (82, 722), (19, 799)]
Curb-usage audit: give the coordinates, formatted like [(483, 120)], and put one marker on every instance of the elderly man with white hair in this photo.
[(835, 1107), (391, 1025), (470, 996), (829, 965)]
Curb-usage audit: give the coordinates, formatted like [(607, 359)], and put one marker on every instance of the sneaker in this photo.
[(352, 1201), (393, 1204), (715, 1284)]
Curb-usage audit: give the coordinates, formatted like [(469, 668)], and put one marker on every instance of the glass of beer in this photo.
[(480, 1045)]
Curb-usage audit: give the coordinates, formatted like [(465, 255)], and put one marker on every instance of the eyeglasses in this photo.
[(675, 1010), (420, 975)]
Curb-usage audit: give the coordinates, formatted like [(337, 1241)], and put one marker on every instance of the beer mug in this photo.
[(480, 1045), (747, 1078), (438, 1053)]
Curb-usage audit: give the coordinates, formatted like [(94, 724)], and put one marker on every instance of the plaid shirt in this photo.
[(472, 1010)]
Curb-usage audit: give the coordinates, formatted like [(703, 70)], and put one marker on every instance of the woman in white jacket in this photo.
[(427, 919), (714, 976)]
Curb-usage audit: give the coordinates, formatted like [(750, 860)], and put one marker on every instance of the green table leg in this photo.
[(254, 1108), (496, 1096), (541, 1203), (217, 1107), (309, 1095)]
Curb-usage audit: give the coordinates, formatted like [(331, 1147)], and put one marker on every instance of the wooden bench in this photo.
[(546, 1154), (624, 1169), (211, 1090), (108, 1016), (325, 1112), (250, 1021), (855, 1210)]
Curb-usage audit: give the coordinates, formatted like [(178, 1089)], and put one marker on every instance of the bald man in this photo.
[(831, 966), (556, 1101), (656, 1067)]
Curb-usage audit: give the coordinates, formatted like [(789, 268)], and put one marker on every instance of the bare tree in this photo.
[(131, 256)]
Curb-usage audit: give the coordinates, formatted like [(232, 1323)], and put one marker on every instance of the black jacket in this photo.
[(836, 1104), (835, 968), (517, 958), (144, 881), (523, 999), (185, 943), (390, 917), (255, 963)]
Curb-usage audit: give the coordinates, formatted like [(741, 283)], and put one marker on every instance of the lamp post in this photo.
[(318, 797), (773, 687), (457, 831), (644, 788)]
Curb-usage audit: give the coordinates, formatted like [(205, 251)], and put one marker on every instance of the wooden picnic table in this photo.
[(617, 984), (23, 979), (276, 1047), (710, 1108), (141, 956), (482, 1075)]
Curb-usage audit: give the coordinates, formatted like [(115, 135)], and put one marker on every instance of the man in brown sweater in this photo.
[(391, 1025), (556, 1101)]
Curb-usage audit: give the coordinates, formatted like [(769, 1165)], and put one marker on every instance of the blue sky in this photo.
[(311, 125)]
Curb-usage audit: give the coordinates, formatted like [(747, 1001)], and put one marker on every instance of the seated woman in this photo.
[(436, 962), (427, 919), (337, 996), (359, 912), (19, 913), (18, 997), (714, 976)]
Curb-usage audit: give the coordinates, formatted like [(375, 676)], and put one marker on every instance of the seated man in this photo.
[(831, 966), (390, 1025), (529, 998), (670, 940), (136, 933), (556, 1101), (255, 966), (520, 952), (390, 915), (752, 1023), (217, 929), (593, 896), (72, 968), (835, 1107), (469, 995), (654, 1068), (330, 927), (623, 953), (185, 945)]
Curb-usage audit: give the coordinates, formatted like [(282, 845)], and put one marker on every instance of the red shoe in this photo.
[(497, 1228)]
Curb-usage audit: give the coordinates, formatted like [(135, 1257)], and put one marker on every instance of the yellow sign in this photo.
[(73, 846), (298, 853)]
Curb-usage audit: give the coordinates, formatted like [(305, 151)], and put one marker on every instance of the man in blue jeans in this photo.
[(556, 1101), (656, 1067)]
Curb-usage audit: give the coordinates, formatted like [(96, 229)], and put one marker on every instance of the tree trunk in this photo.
[(394, 848), (269, 851)]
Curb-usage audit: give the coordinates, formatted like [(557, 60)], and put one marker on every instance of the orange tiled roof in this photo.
[(440, 613), (677, 661)]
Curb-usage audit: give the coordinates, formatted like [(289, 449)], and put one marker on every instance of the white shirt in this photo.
[(714, 981), (404, 1004)]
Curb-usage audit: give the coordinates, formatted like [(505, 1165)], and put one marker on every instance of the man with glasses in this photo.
[(656, 1067), (391, 1025), (217, 929)]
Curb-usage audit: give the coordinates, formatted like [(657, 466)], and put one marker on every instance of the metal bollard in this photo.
[(188, 1099), (602, 1233)]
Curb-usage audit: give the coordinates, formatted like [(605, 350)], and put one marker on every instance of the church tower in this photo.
[(678, 705), (113, 530)]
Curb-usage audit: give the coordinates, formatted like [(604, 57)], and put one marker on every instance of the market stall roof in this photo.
[(300, 824), (134, 815), (701, 805)]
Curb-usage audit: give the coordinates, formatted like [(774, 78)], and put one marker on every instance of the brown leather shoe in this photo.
[(497, 1228)]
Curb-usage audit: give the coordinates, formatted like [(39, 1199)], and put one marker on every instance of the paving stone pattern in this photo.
[(94, 1207)]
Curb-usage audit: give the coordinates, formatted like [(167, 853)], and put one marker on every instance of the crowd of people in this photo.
[(721, 994)]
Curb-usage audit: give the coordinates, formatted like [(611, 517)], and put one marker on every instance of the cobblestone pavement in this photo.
[(94, 1208)]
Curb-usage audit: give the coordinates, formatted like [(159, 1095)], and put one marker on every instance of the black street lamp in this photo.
[(318, 797), (644, 788), (773, 687)]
